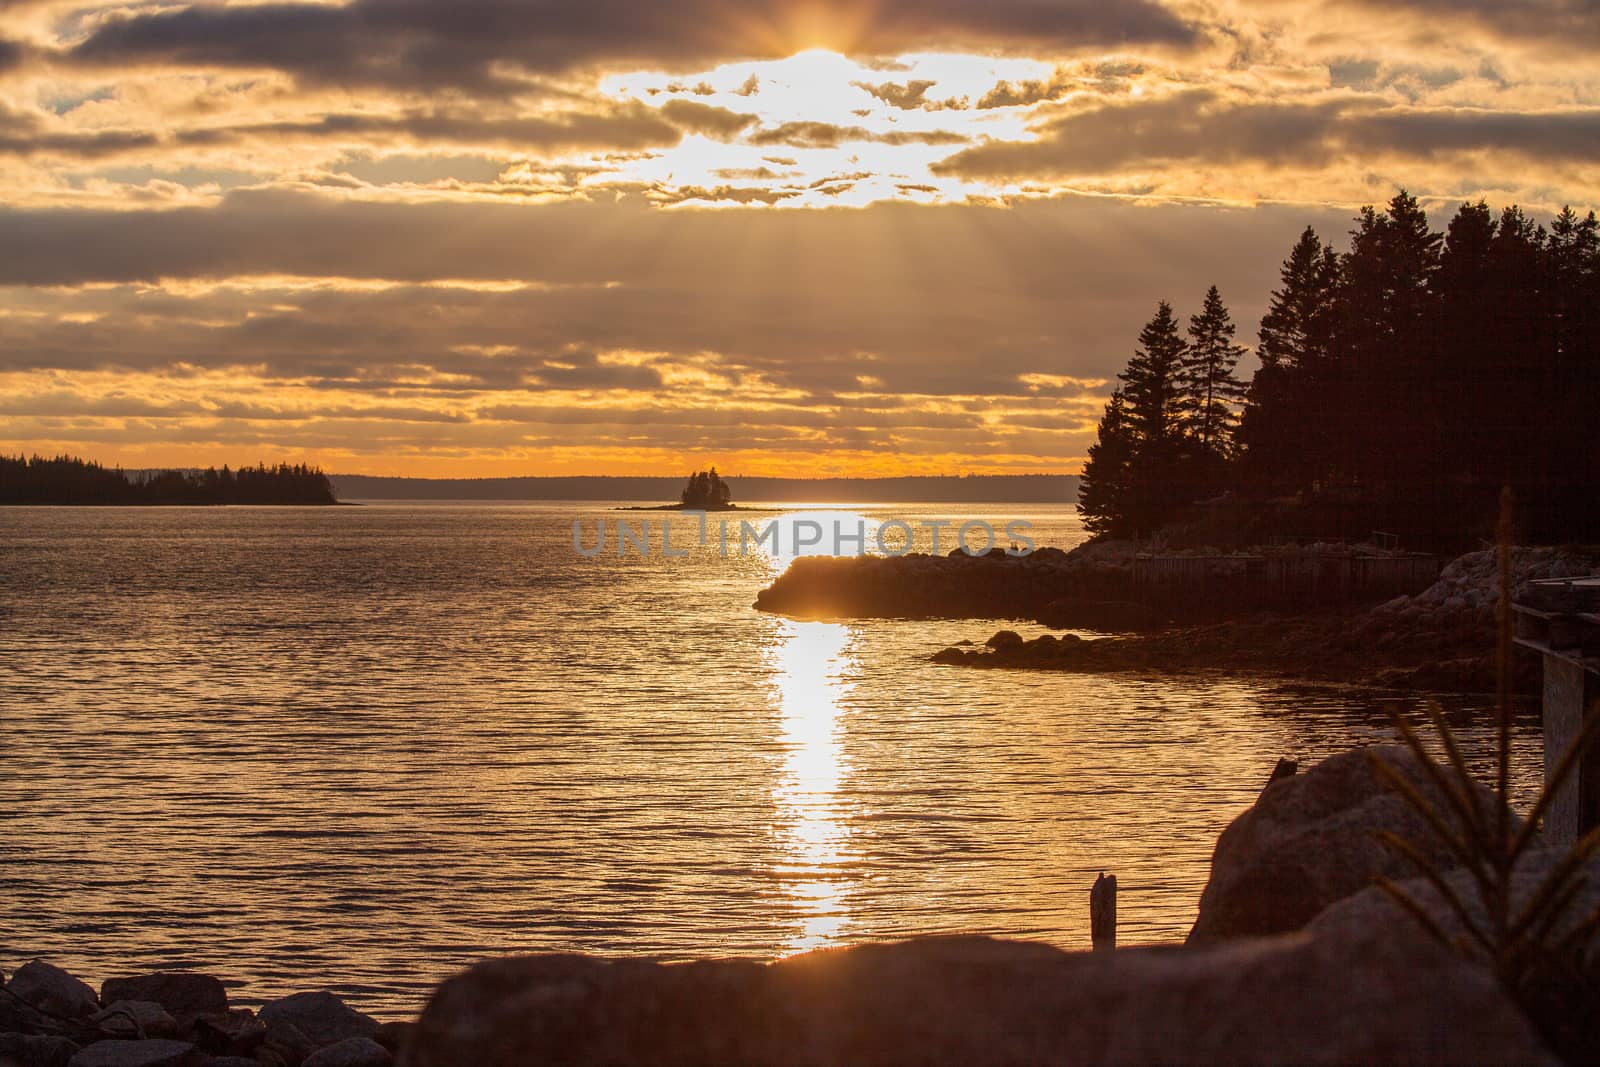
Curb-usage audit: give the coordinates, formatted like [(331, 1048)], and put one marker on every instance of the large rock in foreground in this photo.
[(1309, 840), (1293, 999)]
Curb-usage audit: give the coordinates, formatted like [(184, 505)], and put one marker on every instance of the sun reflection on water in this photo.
[(813, 662), (815, 864)]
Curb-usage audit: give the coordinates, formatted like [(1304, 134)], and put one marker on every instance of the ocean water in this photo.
[(358, 748)]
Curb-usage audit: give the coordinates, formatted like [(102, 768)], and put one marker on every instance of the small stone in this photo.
[(321, 1016), (181, 993), (351, 1052), (117, 1053), (50, 989)]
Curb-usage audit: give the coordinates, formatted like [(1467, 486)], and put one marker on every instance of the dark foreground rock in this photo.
[(48, 1018), (1312, 839), (1562, 993), (321, 1017), (183, 994), (1294, 999)]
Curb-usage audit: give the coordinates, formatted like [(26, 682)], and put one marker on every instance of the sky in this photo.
[(520, 237)]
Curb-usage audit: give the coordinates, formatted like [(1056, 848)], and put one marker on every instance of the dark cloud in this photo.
[(471, 44), (1571, 24), (828, 135), (25, 134), (1206, 126), (956, 300), (912, 96)]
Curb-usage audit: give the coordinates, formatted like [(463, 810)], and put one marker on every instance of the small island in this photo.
[(705, 491), (67, 480)]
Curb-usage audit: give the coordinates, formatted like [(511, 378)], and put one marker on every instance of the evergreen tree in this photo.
[(1103, 488), (1210, 390), (1281, 430), (1152, 392)]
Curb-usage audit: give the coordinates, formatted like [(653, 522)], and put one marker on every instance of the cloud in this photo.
[(493, 46), (1210, 126), (804, 134)]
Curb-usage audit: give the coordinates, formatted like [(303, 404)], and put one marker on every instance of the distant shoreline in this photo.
[(921, 489)]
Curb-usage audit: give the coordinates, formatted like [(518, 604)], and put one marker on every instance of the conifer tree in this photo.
[(1209, 387), (1103, 488)]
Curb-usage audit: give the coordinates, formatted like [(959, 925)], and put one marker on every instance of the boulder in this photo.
[(135, 1019), (1312, 839), (117, 1053), (52, 990), (1562, 996), (964, 1000), (285, 1043), (35, 1050), (394, 1035), (1004, 638), (180, 993), (351, 1052), (235, 1033), (322, 1017)]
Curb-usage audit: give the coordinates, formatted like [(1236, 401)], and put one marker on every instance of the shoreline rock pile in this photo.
[(48, 1018)]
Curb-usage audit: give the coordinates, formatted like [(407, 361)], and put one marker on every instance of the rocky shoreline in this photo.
[(1295, 957), (48, 1018), (1441, 639)]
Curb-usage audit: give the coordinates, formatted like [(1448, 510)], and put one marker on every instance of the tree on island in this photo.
[(706, 491), (68, 480)]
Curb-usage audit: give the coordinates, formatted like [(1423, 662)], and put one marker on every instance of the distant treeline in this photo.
[(1402, 382), (1006, 488), (68, 480)]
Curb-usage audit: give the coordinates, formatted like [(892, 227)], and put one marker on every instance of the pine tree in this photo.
[(1210, 389), (1152, 393), (1281, 431), (1103, 488)]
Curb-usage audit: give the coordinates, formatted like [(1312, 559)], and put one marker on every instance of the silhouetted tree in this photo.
[(1103, 489), (706, 491), (1209, 388), (67, 480)]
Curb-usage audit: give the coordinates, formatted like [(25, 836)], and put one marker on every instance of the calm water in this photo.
[(357, 748)]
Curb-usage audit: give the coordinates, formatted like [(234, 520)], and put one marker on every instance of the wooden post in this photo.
[(1103, 912), (1560, 619)]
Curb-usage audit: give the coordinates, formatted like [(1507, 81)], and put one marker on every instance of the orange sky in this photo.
[(499, 237)]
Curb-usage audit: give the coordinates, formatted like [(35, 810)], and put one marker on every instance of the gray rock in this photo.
[(1308, 841), (136, 1054), (52, 990), (135, 1019), (1003, 638), (351, 1052), (180, 993), (322, 1017), (1288, 999), (35, 1050)]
